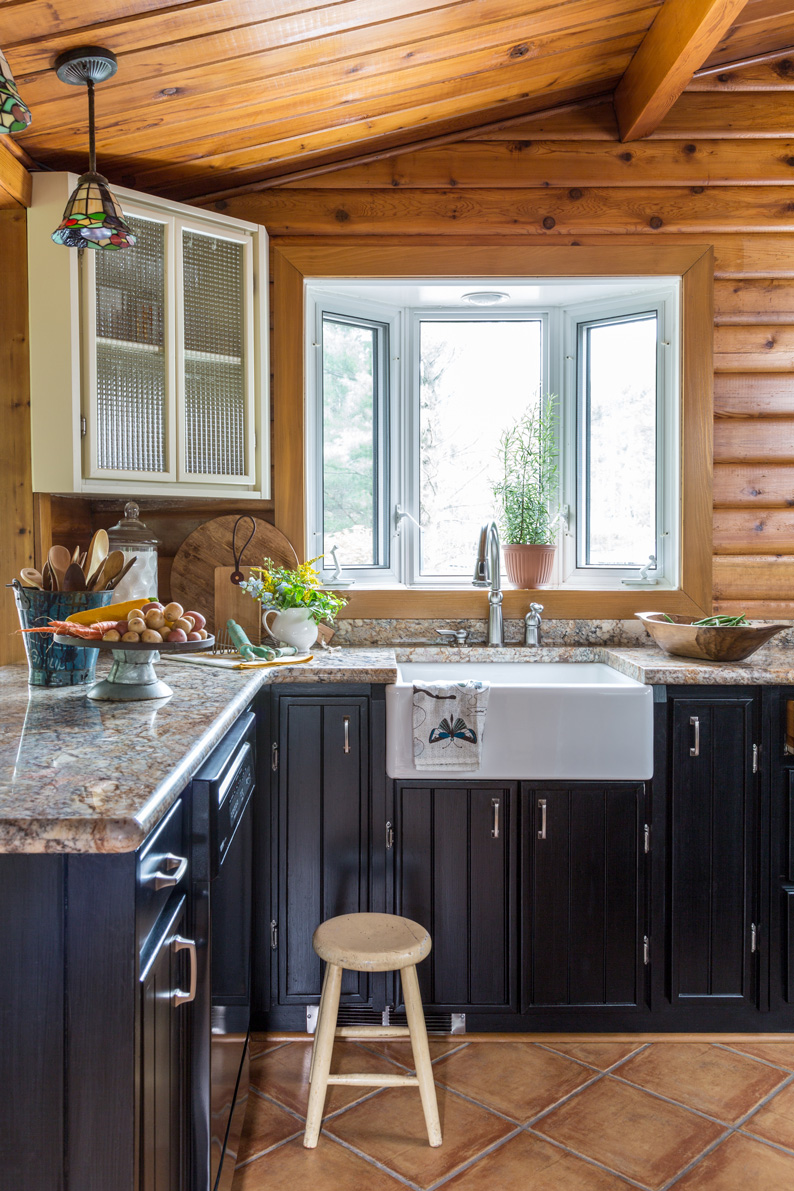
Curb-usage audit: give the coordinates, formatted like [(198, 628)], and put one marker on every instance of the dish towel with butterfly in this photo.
[(448, 724)]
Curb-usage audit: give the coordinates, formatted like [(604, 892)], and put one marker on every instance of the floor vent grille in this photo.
[(437, 1023)]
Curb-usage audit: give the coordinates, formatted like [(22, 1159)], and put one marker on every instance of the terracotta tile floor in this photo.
[(520, 1115)]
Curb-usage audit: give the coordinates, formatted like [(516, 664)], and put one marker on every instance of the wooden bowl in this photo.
[(719, 644)]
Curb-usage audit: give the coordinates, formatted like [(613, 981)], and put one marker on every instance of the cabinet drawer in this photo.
[(162, 870), (788, 942)]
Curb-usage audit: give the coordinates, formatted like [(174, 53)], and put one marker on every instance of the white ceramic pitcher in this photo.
[(292, 626)]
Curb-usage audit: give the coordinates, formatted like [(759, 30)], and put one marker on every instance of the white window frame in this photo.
[(662, 301), (321, 302), (410, 530), (559, 375)]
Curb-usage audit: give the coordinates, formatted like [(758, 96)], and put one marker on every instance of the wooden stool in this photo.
[(370, 943)]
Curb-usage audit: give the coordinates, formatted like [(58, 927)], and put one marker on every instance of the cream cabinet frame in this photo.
[(64, 415)]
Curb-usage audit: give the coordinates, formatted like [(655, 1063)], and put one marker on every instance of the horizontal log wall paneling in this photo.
[(718, 171)]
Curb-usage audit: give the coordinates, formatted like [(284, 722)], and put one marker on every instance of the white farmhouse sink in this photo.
[(575, 721)]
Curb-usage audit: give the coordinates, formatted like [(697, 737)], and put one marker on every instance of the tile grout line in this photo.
[(744, 1054), (491, 1149), (695, 1161), (371, 1161), (604, 1070), (583, 1157), (763, 1103), (680, 1104), (268, 1150), (564, 1100), (405, 1066)]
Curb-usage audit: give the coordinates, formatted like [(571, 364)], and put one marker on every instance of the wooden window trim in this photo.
[(296, 261)]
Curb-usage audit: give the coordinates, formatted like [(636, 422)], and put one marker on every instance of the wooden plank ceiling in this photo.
[(221, 95)]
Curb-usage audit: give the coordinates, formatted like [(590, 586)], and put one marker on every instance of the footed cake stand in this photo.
[(132, 675)]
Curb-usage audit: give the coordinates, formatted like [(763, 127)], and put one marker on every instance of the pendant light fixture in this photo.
[(93, 217), (14, 114)]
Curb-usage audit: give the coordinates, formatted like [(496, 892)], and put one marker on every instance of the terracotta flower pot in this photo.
[(529, 566)]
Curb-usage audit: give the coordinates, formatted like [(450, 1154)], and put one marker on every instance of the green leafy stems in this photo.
[(527, 490), (715, 622), (280, 588)]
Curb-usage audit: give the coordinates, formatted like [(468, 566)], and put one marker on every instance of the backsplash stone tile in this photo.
[(554, 632)]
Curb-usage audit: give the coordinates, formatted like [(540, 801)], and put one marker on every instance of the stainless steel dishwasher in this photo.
[(222, 837)]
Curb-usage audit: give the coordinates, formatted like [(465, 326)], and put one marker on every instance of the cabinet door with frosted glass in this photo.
[(130, 362), (170, 358)]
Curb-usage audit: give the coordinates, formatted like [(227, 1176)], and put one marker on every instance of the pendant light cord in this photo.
[(91, 135)]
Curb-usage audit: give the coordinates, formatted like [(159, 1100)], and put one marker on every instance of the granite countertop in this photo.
[(83, 776)]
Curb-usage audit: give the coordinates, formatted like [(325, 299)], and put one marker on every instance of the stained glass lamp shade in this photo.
[(14, 114), (93, 217)]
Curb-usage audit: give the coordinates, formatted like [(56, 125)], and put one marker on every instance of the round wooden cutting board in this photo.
[(210, 546)]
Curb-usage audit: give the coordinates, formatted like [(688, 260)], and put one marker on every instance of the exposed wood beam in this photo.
[(15, 187), (678, 42)]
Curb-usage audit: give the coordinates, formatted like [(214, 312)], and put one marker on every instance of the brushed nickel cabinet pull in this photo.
[(180, 944), (176, 867), (495, 802), (542, 805), (695, 750), (346, 722)]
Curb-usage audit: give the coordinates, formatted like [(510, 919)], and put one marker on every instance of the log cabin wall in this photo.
[(720, 171)]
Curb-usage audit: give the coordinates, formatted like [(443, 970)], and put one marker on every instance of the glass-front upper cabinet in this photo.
[(171, 373)]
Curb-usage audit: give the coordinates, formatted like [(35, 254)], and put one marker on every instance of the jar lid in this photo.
[(131, 531)]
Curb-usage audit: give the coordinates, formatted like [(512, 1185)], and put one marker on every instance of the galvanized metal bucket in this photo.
[(50, 664)]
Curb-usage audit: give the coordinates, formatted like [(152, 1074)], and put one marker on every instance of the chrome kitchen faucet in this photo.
[(487, 574)]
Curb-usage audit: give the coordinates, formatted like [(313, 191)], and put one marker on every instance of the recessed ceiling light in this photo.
[(485, 297)]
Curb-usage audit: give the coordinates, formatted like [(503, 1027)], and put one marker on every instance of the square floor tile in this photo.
[(258, 1044), (265, 1125), (738, 1164), (715, 1081), (598, 1054), (775, 1121), (516, 1078), (390, 1128), (780, 1053), (400, 1052), (527, 1163), (328, 1168), (630, 1131), (283, 1074)]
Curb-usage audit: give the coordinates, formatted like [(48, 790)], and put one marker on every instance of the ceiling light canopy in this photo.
[(485, 297), (14, 114), (93, 217)]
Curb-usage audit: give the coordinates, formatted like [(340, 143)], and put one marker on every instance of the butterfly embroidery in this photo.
[(457, 730)]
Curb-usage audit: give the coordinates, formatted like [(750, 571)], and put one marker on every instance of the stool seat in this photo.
[(372, 942)]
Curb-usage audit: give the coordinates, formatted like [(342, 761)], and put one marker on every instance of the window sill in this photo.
[(402, 603)]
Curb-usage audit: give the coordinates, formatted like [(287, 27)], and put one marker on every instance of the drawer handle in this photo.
[(346, 722), (177, 866), (695, 750), (495, 828), (179, 944), (542, 805)]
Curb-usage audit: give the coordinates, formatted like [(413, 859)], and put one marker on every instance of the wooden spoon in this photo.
[(31, 577), (76, 554), (60, 560), (111, 567), (129, 564), (97, 553), (74, 579), (50, 581)]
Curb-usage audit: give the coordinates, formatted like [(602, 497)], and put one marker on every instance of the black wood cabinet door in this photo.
[(713, 847), (324, 842), (584, 894), (163, 1076), (455, 873)]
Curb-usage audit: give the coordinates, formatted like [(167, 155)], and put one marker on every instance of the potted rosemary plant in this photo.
[(527, 494)]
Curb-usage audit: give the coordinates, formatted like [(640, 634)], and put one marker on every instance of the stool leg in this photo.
[(421, 1051), (323, 1048), (317, 1026)]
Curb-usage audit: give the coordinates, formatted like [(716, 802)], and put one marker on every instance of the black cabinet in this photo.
[(320, 767), (583, 894), (713, 843), (456, 873), (163, 1014)]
